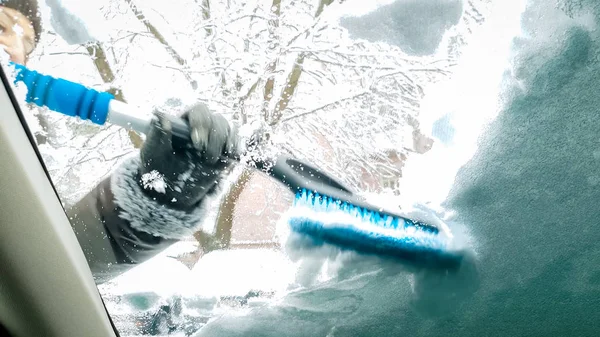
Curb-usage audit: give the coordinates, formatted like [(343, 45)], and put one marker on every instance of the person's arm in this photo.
[(153, 199)]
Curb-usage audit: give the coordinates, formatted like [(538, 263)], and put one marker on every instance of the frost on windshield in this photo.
[(321, 90)]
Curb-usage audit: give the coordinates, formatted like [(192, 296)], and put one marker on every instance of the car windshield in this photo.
[(477, 120)]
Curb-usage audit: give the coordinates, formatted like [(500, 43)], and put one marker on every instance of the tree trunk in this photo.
[(292, 80), (288, 90), (272, 66), (205, 4), (98, 55), (224, 224), (227, 208), (321, 7)]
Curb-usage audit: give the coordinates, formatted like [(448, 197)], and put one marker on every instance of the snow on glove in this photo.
[(182, 177)]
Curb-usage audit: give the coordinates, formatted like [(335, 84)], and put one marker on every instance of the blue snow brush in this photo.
[(324, 209)]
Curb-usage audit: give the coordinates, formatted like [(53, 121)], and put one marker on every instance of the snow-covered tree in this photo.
[(350, 106)]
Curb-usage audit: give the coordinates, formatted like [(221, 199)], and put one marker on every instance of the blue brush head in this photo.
[(325, 219)]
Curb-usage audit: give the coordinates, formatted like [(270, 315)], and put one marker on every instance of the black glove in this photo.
[(180, 177)]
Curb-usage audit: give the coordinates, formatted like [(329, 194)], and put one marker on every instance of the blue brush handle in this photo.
[(66, 97)]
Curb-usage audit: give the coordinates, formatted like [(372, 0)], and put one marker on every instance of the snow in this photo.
[(154, 180), (236, 272), (457, 124), (69, 25), (360, 8), (417, 27)]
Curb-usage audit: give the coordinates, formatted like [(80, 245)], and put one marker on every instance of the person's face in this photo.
[(17, 36)]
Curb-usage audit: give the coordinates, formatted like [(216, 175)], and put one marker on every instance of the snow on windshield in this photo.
[(352, 86)]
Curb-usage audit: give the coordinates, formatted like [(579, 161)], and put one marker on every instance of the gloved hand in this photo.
[(181, 177)]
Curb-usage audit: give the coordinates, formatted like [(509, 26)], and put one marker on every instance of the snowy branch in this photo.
[(354, 96)]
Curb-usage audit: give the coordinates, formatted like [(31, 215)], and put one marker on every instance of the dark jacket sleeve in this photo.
[(119, 226)]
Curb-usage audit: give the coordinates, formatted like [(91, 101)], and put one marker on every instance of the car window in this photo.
[(467, 111)]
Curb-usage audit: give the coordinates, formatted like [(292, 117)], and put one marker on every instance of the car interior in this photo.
[(46, 287)]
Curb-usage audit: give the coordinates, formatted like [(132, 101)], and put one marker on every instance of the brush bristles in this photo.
[(326, 219), (323, 203)]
